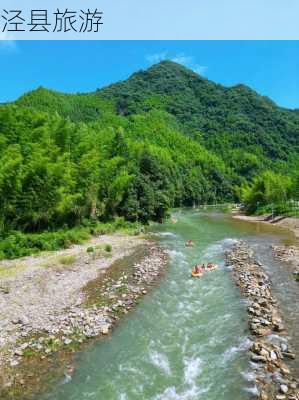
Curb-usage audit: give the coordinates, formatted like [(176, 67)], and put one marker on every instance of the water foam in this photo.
[(176, 254), (171, 234), (253, 390), (171, 393), (219, 248), (160, 361), (229, 241), (192, 369), (67, 379), (276, 339), (249, 376), (231, 352), (128, 369)]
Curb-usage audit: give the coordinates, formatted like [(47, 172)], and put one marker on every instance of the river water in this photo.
[(187, 339)]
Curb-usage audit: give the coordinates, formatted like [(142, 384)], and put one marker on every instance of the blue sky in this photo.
[(269, 67)]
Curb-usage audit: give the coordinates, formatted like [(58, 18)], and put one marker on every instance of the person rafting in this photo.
[(211, 266), (196, 269), (199, 269), (189, 243)]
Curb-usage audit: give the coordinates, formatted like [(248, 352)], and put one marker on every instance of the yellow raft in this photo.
[(196, 275)]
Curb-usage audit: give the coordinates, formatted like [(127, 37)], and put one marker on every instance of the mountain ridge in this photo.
[(202, 105), (168, 62), (225, 118)]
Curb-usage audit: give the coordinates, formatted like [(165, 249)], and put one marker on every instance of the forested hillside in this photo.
[(165, 137), (224, 119)]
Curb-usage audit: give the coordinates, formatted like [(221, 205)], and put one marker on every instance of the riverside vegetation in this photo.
[(166, 137)]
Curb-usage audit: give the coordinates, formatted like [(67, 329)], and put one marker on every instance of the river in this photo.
[(187, 339)]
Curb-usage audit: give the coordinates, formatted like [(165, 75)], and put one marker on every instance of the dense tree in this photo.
[(166, 137), (267, 191)]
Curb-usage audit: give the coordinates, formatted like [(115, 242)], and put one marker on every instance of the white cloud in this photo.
[(200, 69), (189, 62), (156, 58), (6, 43), (181, 58)]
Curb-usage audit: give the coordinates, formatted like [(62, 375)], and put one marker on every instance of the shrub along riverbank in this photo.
[(18, 244), (272, 193)]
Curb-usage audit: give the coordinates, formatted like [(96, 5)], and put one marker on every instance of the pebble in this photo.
[(264, 322), (284, 389), (79, 323)]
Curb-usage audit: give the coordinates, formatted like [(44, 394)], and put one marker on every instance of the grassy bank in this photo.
[(18, 244)]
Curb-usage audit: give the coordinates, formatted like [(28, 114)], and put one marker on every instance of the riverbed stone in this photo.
[(272, 375), (285, 371), (256, 358), (284, 389), (289, 355), (18, 352)]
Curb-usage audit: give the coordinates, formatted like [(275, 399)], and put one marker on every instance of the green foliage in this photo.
[(77, 107), (125, 155), (108, 248), (18, 244), (230, 118), (56, 173), (90, 249), (67, 260), (268, 192)]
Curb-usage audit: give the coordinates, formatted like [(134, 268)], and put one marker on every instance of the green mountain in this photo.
[(236, 115), (222, 119), (165, 137)]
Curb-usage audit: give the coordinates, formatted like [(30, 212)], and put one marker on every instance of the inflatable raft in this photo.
[(196, 275), (214, 266), (189, 243)]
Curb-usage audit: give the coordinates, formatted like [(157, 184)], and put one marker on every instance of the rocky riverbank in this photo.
[(286, 253), (269, 351), (96, 302), (289, 254)]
